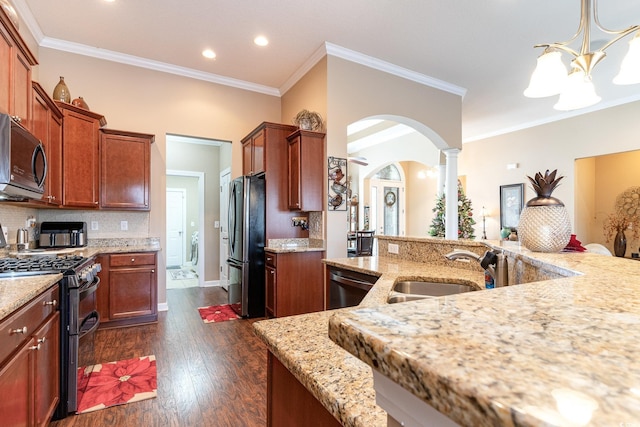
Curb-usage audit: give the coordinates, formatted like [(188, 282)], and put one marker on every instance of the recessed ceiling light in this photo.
[(109, 1), (208, 53), (261, 41)]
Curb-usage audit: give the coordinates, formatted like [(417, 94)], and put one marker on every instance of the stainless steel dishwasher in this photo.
[(347, 288)]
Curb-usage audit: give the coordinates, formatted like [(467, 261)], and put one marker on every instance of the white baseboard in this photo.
[(163, 306), (210, 283)]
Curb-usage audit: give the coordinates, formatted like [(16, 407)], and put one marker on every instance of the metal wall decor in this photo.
[(337, 171)]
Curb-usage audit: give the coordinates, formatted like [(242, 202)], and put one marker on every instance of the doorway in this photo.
[(185, 222), (176, 213), (388, 202)]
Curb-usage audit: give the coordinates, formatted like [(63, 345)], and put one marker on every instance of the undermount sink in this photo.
[(411, 290)]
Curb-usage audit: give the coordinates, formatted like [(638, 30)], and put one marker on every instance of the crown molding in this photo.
[(387, 67), (28, 18), (320, 53), (136, 61)]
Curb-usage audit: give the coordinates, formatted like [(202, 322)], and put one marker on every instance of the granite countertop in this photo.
[(16, 292), (339, 380), (518, 355), (279, 246)]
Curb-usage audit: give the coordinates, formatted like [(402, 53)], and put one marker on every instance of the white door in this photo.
[(176, 205), (388, 207), (225, 180)]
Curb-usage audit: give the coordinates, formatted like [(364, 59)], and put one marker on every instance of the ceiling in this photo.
[(481, 49)]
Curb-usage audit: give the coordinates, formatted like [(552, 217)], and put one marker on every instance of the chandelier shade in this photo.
[(549, 76), (577, 90), (630, 68)]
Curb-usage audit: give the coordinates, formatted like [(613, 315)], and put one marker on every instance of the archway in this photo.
[(383, 142)]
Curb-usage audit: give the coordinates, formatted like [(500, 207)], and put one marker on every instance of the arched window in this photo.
[(390, 172)]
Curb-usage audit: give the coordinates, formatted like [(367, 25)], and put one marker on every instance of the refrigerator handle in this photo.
[(232, 219)]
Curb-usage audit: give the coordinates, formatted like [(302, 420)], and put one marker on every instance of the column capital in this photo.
[(451, 152)]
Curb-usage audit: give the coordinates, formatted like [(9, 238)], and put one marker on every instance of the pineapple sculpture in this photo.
[(544, 223)]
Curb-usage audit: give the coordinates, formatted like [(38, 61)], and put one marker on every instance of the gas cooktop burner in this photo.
[(10, 267)]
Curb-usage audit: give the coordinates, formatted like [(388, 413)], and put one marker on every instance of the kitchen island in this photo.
[(518, 355)]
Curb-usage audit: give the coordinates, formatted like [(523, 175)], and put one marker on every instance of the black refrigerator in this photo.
[(246, 245)]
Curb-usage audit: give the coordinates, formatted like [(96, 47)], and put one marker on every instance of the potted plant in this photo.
[(309, 120)]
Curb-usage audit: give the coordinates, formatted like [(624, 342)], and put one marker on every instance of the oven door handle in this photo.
[(94, 315), (89, 289)]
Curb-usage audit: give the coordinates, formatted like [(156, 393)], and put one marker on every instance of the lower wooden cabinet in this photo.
[(30, 372), (128, 292), (294, 283), (289, 403)]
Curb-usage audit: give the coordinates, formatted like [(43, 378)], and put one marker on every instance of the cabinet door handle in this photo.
[(51, 303), (22, 330), (35, 347), (42, 340), (133, 260), (153, 271)]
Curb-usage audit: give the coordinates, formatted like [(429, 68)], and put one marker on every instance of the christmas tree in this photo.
[(465, 216)]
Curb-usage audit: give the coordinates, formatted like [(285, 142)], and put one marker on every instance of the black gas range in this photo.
[(77, 319), (36, 265)]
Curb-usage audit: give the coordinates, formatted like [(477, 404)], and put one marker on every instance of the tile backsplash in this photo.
[(109, 223)]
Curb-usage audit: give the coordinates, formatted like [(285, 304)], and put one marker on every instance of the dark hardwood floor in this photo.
[(208, 374)]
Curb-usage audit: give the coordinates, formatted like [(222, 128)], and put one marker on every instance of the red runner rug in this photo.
[(217, 313), (116, 383)]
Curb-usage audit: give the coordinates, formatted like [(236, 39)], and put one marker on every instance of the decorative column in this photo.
[(442, 178), (451, 194)]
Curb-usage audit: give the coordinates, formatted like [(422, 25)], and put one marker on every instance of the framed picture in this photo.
[(337, 171), (511, 203)]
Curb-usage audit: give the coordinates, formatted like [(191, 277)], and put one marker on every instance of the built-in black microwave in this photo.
[(23, 163)]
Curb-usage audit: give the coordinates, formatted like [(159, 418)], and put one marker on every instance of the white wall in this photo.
[(551, 146)]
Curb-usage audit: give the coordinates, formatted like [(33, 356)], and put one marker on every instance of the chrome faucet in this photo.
[(493, 261)]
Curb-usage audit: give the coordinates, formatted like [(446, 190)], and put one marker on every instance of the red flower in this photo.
[(116, 383)]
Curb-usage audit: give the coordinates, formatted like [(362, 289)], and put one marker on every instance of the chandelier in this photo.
[(575, 88)]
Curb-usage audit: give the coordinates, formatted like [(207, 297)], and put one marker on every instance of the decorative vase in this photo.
[(61, 91), (544, 228), (544, 223), (504, 233), (80, 102), (620, 244)]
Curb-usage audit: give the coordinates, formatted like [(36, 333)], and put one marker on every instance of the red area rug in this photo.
[(116, 383), (217, 313)]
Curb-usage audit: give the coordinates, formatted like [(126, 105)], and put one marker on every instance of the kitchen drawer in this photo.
[(29, 316), (270, 259), (132, 259)]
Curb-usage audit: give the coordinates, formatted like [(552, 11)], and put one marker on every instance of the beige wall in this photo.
[(551, 146), (310, 93), (421, 199), (355, 92), (599, 182), (142, 100)]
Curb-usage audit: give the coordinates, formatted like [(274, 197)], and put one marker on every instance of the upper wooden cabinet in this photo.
[(46, 125), (124, 169), (305, 153), (253, 153), (16, 61), (80, 165)]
